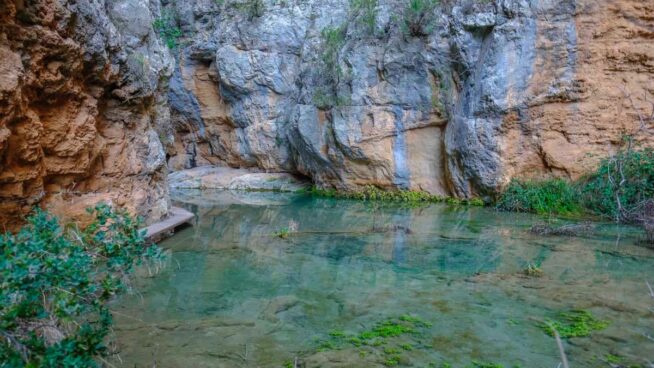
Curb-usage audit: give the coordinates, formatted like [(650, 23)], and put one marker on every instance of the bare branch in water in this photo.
[(559, 343)]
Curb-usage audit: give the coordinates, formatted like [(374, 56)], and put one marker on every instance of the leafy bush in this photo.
[(621, 188), (554, 196), (55, 285), (620, 184), (166, 27), (419, 17)]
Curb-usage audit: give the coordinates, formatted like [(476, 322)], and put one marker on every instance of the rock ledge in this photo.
[(211, 177)]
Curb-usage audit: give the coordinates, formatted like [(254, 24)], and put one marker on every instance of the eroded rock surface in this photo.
[(209, 177), (82, 107), (489, 91)]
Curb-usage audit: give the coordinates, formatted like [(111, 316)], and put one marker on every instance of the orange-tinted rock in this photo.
[(65, 141)]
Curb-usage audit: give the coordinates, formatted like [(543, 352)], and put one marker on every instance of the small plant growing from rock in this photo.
[(332, 41), (166, 27), (419, 19), (365, 12), (253, 8)]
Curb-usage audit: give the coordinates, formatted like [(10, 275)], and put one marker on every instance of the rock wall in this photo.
[(486, 91), (82, 107), (477, 93)]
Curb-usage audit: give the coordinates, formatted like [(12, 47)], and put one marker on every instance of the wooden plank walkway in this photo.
[(178, 216)]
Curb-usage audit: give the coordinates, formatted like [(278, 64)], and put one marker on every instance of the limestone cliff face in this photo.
[(82, 107), (489, 91), (478, 93)]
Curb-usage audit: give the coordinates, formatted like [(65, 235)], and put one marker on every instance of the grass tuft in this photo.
[(374, 194), (548, 197)]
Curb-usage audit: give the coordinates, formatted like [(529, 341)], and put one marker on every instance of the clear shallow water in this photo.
[(234, 295)]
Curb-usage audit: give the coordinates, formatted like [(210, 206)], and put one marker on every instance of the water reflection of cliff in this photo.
[(233, 283)]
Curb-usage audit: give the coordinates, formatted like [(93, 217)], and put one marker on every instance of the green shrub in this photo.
[(476, 364), (621, 183), (56, 283), (333, 39), (553, 196), (366, 13), (419, 19), (166, 27), (622, 188)]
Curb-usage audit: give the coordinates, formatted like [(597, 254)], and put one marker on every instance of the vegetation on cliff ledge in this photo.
[(55, 285), (374, 194), (166, 27)]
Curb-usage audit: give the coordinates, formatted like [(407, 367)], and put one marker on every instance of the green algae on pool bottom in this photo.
[(236, 295)]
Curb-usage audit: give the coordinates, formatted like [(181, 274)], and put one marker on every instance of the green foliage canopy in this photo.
[(55, 285)]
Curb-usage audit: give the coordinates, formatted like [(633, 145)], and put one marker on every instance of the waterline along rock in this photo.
[(455, 101)]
